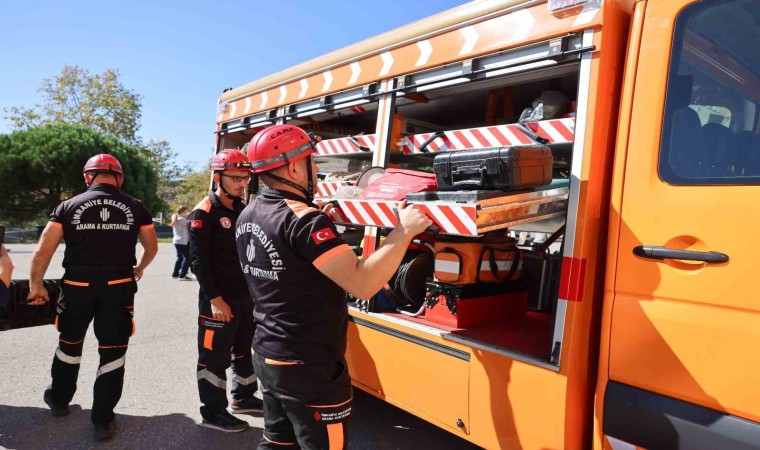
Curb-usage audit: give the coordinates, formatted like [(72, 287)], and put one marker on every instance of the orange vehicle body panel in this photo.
[(615, 202), (688, 331)]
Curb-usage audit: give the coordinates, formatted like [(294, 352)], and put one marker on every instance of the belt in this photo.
[(98, 268)]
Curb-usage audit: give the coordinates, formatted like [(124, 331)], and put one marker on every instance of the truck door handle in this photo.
[(656, 252)]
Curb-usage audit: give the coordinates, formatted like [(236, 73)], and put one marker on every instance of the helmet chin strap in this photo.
[(308, 191), (119, 179), (221, 186)]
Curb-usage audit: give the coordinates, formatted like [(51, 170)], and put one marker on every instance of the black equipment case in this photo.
[(497, 168)]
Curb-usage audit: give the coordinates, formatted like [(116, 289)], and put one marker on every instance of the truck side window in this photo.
[(711, 133)]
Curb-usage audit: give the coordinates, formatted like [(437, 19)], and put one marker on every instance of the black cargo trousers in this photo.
[(306, 406), (219, 345), (108, 298)]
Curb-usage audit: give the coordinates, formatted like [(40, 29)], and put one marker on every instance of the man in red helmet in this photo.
[(101, 228), (225, 320), (297, 268)]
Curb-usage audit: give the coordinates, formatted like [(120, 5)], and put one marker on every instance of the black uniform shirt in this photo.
[(300, 314), (211, 230), (100, 227)]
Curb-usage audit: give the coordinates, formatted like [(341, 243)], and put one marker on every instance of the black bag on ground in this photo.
[(496, 168), (18, 314)]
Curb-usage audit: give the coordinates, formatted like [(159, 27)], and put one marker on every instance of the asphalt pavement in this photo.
[(159, 405)]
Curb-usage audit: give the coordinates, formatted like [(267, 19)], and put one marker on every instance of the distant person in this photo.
[(6, 271), (101, 228), (179, 228), (225, 307)]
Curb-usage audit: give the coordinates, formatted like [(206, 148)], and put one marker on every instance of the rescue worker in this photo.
[(101, 228), (225, 320), (297, 268)]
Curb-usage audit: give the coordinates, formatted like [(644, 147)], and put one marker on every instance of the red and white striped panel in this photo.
[(369, 212), (345, 145), (450, 218), (555, 131), (337, 215), (329, 188)]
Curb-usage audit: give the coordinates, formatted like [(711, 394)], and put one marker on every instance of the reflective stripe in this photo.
[(110, 367), (245, 381), (119, 281), (275, 442), (63, 357), (76, 283), (211, 378)]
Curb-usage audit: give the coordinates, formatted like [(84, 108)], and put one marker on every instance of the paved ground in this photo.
[(159, 407)]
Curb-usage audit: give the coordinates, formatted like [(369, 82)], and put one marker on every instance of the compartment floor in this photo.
[(529, 334)]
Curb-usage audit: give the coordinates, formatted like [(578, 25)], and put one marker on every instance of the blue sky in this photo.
[(180, 55)]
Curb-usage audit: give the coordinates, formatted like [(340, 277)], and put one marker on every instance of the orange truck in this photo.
[(642, 327)]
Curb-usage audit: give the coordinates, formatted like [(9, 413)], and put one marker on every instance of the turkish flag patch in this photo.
[(323, 235), (196, 224)]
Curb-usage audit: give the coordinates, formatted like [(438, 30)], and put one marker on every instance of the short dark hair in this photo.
[(180, 209)]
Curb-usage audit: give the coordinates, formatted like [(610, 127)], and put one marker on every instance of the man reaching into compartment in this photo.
[(225, 317), (297, 268)]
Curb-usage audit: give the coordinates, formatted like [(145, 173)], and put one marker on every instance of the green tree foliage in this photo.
[(42, 166), (170, 173), (192, 188), (76, 96)]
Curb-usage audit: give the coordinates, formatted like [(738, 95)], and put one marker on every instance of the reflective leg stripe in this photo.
[(335, 436), (211, 378), (119, 281), (76, 283), (63, 357), (264, 435), (245, 381), (110, 367)]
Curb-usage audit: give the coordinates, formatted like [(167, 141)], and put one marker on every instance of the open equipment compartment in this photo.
[(476, 112)]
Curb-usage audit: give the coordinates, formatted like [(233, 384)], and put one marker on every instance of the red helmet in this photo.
[(103, 163), (230, 159), (275, 146)]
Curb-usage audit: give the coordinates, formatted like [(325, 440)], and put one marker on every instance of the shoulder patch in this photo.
[(300, 209), (204, 205)]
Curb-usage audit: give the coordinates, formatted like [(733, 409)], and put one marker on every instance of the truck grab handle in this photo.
[(656, 252)]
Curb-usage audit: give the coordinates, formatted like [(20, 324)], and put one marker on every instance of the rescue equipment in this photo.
[(103, 163), (461, 306), (278, 145), (489, 259), (18, 314), (230, 159), (494, 168), (394, 184), (407, 286)]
